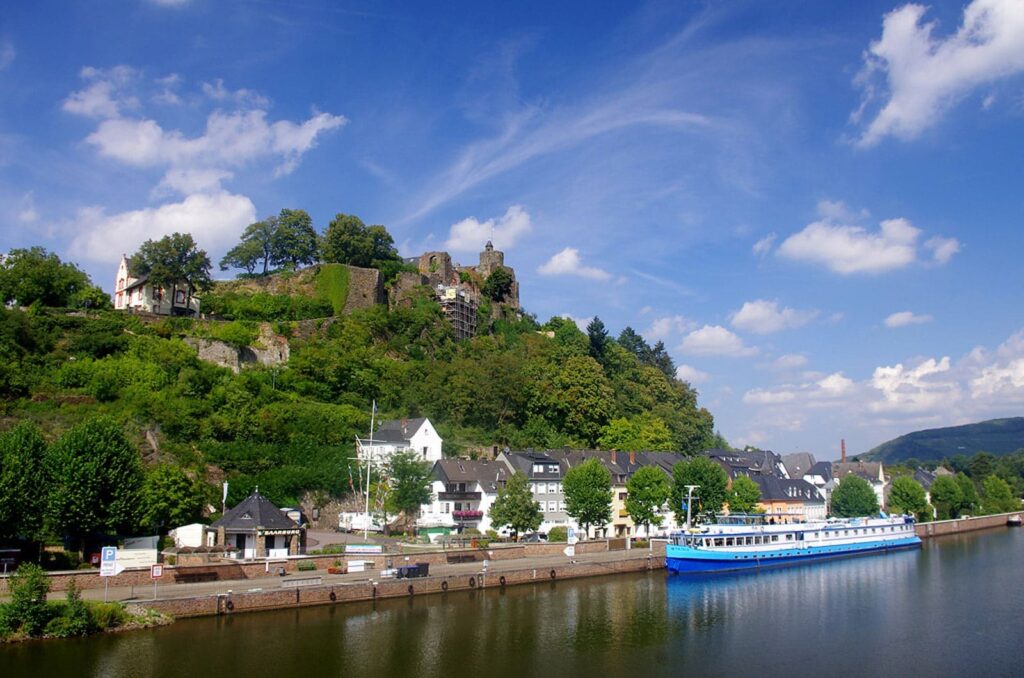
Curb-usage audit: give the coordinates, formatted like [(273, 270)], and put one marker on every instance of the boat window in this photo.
[(757, 540), (789, 537), (728, 541), (750, 541), (719, 541), (775, 537)]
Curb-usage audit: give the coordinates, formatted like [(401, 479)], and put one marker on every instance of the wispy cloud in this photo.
[(568, 262)]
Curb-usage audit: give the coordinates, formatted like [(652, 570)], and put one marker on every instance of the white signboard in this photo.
[(572, 537), (156, 571), (136, 557), (365, 549), (108, 562), (569, 551)]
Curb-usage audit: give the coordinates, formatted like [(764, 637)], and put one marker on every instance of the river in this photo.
[(953, 608)]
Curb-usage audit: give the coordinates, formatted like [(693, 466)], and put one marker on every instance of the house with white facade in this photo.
[(139, 294), (401, 435), (463, 492), (871, 471)]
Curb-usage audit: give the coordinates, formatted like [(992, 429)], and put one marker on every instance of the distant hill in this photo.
[(998, 436)]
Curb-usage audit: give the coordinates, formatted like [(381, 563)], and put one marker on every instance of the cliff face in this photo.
[(270, 349)]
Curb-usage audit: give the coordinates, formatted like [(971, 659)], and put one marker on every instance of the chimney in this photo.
[(842, 446), (613, 457), (632, 458)]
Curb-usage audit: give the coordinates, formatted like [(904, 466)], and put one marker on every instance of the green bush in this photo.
[(107, 615), (492, 534), (558, 534), (73, 617), (27, 612), (236, 333), (307, 566)]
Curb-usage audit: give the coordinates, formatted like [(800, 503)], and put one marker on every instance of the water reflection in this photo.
[(949, 609)]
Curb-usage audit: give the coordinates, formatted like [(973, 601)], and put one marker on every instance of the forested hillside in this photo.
[(996, 436)]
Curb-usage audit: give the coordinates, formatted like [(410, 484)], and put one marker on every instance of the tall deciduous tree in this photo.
[(515, 506), (246, 254), (998, 496), (295, 242), (257, 244), (947, 497), (349, 241), (583, 398), (854, 498), (29, 276), (588, 494), (96, 475), (643, 432), (498, 285), (744, 495), (23, 481), (710, 494), (170, 499), (409, 480), (969, 502), (907, 496), (647, 491)]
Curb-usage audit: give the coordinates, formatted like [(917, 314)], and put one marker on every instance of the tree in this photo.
[(969, 502), (515, 506), (643, 432), (349, 241), (998, 496), (257, 244), (744, 496), (295, 242), (170, 499), (907, 496), (96, 475), (498, 286), (597, 337), (854, 498), (710, 494), (409, 480), (662, 360), (23, 481), (635, 344), (647, 491), (173, 261), (947, 496), (30, 276), (246, 254), (582, 397), (588, 494), (981, 465)]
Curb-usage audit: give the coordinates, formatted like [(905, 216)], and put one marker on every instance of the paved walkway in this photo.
[(169, 590)]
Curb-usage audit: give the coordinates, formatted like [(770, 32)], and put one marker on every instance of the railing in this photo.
[(467, 515), (458, 496)]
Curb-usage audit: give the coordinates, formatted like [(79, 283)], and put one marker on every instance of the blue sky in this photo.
[(816, 206)]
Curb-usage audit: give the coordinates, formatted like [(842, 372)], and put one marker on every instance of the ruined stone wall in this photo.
[(365, 289), (403, 290), (270, 349)]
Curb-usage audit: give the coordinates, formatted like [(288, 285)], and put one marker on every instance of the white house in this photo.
[(138, 294), (463, 492), (401, 435)]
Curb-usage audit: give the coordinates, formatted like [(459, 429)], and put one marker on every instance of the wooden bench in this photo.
[(196, 576)]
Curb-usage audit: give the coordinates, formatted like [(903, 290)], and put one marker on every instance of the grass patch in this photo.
[(332, 284)]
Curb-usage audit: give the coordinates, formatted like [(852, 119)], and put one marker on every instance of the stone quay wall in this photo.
[(939, 528), (251, 601)]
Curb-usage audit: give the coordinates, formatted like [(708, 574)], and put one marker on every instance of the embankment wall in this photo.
[(939, 528)]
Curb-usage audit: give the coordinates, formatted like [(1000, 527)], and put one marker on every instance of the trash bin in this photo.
[(423, 569)]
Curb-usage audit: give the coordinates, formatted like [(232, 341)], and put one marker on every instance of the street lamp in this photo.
[(689, 501)]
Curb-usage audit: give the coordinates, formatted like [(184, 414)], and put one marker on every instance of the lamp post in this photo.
[(689, 501)]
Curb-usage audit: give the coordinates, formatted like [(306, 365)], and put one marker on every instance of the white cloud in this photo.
[(691, 374), (581, 323), (904, 318), (921, 76), (942, 249), (758, 396), (790, 361), (104, 97), (668, 326), (187, 181), (28, 213), (764, 317), (167, 93), (715, 340), (218, 92), (230, 140), (834, 384), (764, 245), (214, 220), (568, 262), (916, 389), (470, 235), (7, 54)]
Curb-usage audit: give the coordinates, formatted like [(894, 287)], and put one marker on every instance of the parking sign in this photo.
[(108, 562)]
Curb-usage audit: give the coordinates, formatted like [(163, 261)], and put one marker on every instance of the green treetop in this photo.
[(647, 491), (970, 502), (588, 494), (907, 496), (170, 499), (710, 495), (744, 495), (173, 261), (295, 242), (498, 285), (515, 506), (30, 276), (854, 498), (947, 497), (998, 496), (410, 484), (349, 241), (23, 481)]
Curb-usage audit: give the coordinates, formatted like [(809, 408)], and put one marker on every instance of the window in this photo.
[(561, 506), (552, 468), (542, 488), (719, 541), (750, 541), (538, 468), (622, 496), (552, 506), (552, 488), (728, 541), (445, 507)]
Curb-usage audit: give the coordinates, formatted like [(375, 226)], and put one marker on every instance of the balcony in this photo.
[(463, 516), (458, 496)]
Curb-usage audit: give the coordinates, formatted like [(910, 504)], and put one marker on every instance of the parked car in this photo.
[(534, 538)]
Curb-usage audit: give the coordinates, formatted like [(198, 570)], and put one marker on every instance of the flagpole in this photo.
[(366, 525)]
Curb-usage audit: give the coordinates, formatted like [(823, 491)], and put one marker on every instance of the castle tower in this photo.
[(490, 260)]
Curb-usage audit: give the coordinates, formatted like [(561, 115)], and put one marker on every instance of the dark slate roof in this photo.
[(823, 469), (787, 489), (256, 511), (524, 461), (489, 474), (746, 463), (868, 470), (137, 283), (798, 463), (397, 430)]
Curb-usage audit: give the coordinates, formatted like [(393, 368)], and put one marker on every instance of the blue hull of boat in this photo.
[(703, 562)]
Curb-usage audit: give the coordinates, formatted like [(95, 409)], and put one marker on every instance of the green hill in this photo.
[(997, 436)]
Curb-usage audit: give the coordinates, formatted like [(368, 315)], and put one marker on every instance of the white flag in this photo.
[(224, 498)]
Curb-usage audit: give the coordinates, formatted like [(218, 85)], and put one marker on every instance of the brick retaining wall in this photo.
[(939, 528)]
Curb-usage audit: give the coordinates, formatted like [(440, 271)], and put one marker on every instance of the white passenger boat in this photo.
[(748, 542)]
